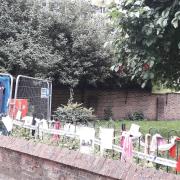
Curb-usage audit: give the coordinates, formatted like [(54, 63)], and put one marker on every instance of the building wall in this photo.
[(153, 106), (25, 160)]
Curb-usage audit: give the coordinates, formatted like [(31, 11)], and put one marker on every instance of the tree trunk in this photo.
[(83, 90), (71, 95)]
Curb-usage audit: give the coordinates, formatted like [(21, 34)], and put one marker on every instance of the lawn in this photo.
[(162, 126)]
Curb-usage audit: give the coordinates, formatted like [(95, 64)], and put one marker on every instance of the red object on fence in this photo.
[(178, 165), (121, 141), (18, 105), (172, 151), (57, 126)]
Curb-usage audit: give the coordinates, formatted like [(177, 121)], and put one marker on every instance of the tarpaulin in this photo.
[(5, 82)]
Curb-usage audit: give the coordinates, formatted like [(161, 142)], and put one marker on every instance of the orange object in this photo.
[(57, 126), (18, 105), (172, 150)]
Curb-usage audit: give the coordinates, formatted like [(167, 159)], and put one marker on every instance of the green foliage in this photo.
[(63, 42), (148, 40), (108, 114), (74, 112), (23, 49), (78, 37), (136, 116), (2, 70), (21, 132)]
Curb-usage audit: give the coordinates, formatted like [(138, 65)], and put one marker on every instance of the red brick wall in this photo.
[(123, 102), (25, 160)]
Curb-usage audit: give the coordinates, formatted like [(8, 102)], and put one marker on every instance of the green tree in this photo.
[(63, 41), (23, 49), (148, 40), (77, 36)]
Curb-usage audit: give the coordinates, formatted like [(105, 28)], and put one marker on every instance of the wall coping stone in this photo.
[(112, 169)]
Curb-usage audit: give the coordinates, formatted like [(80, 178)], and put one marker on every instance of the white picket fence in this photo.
[(61, 132)]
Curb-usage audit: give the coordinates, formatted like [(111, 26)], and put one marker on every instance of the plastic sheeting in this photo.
[(5, 82)]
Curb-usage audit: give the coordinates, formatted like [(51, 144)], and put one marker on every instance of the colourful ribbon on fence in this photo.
[(57, 126), (172, 150), (178, 165)]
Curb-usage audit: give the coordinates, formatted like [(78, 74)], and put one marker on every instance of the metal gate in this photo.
[(33, 97)]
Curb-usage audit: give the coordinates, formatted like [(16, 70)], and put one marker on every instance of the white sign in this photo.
[(87, 136), (8, 123), (27, 120), (134, 130), (44, 92), (106, 136)]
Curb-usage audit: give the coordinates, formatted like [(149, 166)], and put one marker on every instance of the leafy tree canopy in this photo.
[(77, 37), (23, 50), (63, 41), (148, 40)]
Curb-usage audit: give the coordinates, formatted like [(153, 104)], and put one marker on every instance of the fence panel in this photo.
[(32, 97)]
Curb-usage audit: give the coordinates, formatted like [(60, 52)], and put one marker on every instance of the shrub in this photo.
[(108, 114), (74, 112), (136, 116)]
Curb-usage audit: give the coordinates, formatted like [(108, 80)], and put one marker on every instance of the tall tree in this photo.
[(63, 41), (148, 43), (77, 36), (23, 49)]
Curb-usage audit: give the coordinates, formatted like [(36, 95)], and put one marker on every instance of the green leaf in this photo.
[(158, 31), (159, 21), (143, 84), (179, 45), (165, 13), (116, 69), (132, 77), (140, 69), (174, 22), (164, 22), (146, 76), (138, 3), (151, 63), (128, 2), (177, 15), (137, 14), (112, 68), (151, 75), (149, 42)]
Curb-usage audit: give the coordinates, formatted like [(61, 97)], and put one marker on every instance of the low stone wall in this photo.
[(26, 160)]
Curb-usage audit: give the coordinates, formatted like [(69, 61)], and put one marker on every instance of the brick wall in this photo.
[(25, 160), (123, 102)]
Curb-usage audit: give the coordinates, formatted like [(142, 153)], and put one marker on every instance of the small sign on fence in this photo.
[(87, 136), (44, 92)]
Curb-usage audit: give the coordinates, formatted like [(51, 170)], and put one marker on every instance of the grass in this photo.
[(163, 127)]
